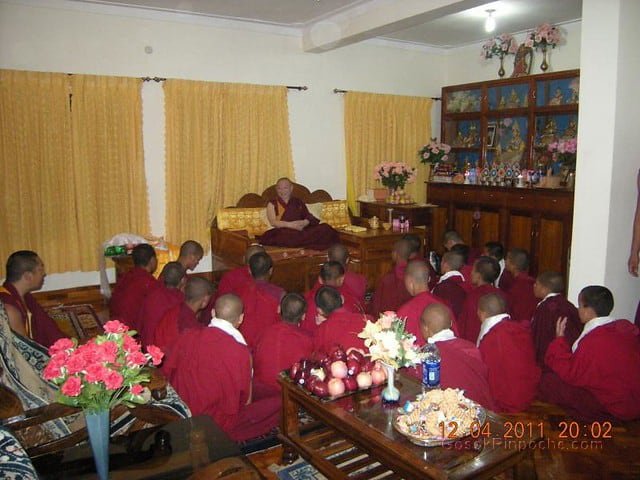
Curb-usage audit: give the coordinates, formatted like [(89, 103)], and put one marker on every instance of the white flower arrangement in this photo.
[(389, 342)]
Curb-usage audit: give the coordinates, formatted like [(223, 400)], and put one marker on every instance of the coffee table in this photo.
[(357, 440)]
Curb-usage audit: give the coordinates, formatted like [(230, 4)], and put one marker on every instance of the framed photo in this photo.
[(491, 134)]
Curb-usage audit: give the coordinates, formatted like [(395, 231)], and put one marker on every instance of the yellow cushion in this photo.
[(335, 213), (253, 220)]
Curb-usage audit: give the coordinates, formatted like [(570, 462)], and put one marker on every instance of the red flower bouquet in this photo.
[(105, 371)]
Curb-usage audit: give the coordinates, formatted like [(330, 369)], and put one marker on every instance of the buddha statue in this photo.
[(557, 98), (516, 144), (514, 100), (572, 129), (548, 133), (472, 138)]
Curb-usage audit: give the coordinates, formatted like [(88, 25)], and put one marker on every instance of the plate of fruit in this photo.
[(337, 374)]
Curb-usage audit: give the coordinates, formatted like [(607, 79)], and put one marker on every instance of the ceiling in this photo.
[(454, 26)]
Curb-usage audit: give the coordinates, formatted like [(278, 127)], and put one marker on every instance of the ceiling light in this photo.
[(490, 22)]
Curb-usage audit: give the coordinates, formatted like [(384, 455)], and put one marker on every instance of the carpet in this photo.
[(77, 321)]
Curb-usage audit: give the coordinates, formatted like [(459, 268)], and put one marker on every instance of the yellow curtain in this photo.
[(384, 128), (222, 141), (108, 163), (37, 203)]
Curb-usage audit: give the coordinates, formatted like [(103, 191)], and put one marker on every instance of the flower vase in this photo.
[(544, 66), (501, 71), (98, 429), (390, 394)]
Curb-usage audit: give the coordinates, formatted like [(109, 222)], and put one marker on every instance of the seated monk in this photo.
[(467, 266), (461, 364), (496, 250), (484, 274), (416, 281), (191, 252), (211, 371), (340, 327), (331, 275), (604, 361), (25, 274), (391, 292), (183, 316), (355, 282), (135, 285), (293, 225), (553, 305), (168, 294), (450, 285), (522, 300), (284, 343), (260, 298), (507, 350)]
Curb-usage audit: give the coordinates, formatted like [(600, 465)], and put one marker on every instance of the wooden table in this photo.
[(358, 436), (418, 214)]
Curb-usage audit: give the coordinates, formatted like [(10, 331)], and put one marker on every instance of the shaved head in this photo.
[(418, 271), (260, 265), (434, 318), (492, 304), (338, 253), (454, 260), (552, 281), (414, 242), (331, 273), (191, 247), (251, 251), (229, 307), (292, 308), (197, 288), (402, 249), (172, 274), (328, 299)]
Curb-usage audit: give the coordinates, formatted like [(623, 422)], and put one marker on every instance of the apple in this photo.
[(350, 384), (295, 368), (364, 380), (355, 354), (338, 353), (366, 365), (336, 387), (320, 389), (339, 369), (353, 367), (378, 377), (310, 383)]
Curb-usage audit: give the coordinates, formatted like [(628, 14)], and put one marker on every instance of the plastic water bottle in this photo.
[(430, 366)]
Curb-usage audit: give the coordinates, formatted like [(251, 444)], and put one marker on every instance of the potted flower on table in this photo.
[(394, 176), (104, 372)]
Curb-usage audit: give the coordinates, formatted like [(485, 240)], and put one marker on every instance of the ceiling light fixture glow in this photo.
[(490, 22)]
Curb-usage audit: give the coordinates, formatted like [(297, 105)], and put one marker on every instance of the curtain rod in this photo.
[(160, 79), (337, 90)]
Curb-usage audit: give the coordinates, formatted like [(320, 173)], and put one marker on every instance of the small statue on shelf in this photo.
[(514, 100), (572, 129), (459, 140), (516, 144), (557, 98), (472, 139), (548, 133), (503, 104)]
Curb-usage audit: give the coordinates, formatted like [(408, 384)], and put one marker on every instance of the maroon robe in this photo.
[(261, 301), (506, 279), (43, 328), (279, 347), (469, 322), (391, 293), (412, 311), (316, 235), (175, 320), (233, 280), (507, 350), (543, 324), (351, 304), (461, 366), (452, 292), (466, 273), (154, 306), (211, 372), (522, 300), (129, 293), (356, 283), (606, 363), (340, 328)]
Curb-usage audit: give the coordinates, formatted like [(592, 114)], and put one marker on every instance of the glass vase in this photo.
[(98, 429), (390, 394)]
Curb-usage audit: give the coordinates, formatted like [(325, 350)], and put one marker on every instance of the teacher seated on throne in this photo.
[(293, 225)]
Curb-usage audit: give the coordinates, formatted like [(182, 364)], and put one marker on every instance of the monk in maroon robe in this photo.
[(355, 282), (496, 250), (604, 360), (282, 344), (391, 292), (183, 316), (293, 225), (553, 305), (211, 371), (340, 327), (450, 285), (416, 281), (522, 300), (484, 274), (507, 350), (260, 298), (167, 295), (25, 274), (331, 275), (461, 364), (134, 286)]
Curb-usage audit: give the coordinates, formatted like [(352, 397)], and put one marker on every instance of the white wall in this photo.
[(62, 36), (608, 155)]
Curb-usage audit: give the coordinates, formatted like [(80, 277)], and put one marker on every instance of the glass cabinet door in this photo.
[(507, 141), (463, 101), (504, 97), (556, 92)]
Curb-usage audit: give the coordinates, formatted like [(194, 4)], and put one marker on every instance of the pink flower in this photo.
[(109, 351), (407, 343), (129, 344), (156, 354), (115, 326), (59, 359), (75, 363), (72, 387), (61, 345), (136, 389), (112, 380), (95, 373), (51, 371), (91, 352), (136, 359)]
